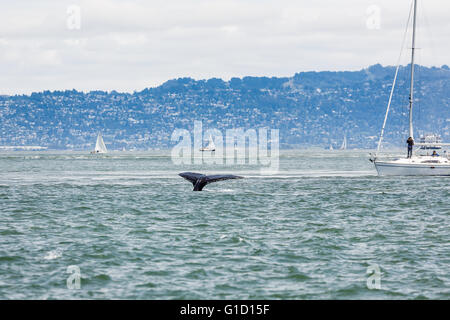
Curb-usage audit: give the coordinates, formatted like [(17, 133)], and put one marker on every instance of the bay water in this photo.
[(325, 226)]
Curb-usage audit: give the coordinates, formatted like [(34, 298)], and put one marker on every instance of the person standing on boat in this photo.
[(410, 143)]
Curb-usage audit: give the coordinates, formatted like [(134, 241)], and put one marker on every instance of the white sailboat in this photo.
[(344, 144), (331, 147), (210, 146), (100, 146), (426, 165)]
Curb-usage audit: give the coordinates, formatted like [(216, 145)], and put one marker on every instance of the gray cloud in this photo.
[(130, 45)]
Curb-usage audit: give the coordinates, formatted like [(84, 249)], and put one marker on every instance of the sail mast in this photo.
[(411, 92)]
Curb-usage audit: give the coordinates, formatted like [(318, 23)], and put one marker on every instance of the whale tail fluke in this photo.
[(199, 181), (191, 176)]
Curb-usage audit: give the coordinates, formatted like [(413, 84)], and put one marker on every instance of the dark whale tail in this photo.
[(200, 180)]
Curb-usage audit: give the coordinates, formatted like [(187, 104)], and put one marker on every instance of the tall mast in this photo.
[(411, 91)]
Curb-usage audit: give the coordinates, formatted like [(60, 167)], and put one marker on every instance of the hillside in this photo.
[(310, 109)]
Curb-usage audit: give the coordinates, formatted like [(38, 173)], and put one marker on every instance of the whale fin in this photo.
[(220, 177), (192, 176), (200, 180)]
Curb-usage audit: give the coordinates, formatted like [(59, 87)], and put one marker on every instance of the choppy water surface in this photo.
[(137, 231)]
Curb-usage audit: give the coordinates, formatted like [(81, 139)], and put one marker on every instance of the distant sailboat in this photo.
[(211, 146), (344, 144), (100, 146), (331, 147)]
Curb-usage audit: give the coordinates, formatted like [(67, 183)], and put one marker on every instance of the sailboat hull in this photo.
[(393, 168)]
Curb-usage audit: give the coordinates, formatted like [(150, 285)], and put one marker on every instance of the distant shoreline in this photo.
[(26, 148)]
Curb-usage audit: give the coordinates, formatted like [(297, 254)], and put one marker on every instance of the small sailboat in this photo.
[(344, 144), (100, 146), (414, 164), (210, 146), (331, 147)]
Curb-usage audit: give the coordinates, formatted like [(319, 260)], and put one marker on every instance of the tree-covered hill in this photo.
[(309, 109)]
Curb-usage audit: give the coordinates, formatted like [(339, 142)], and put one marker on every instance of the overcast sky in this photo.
[(130, 45)]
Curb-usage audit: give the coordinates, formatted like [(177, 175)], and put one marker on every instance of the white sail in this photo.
[(344, 144), (211, 146), (100, 146)]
